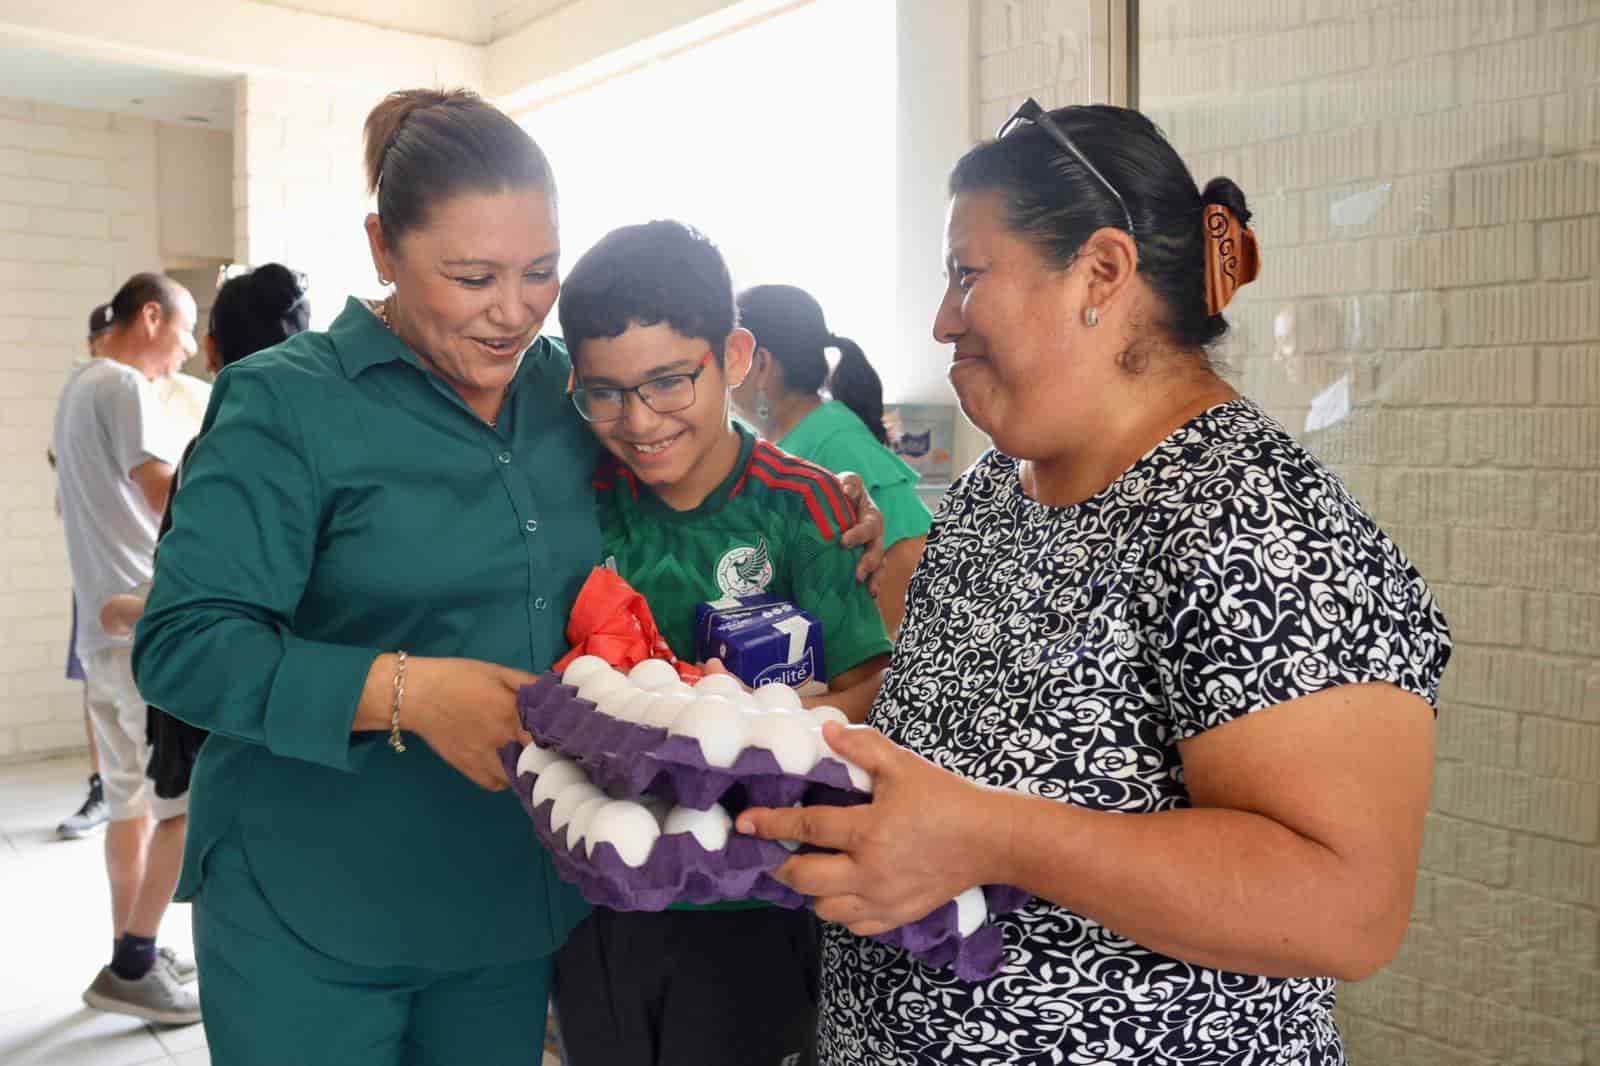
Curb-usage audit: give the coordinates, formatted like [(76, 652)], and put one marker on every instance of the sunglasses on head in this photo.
[(1031, 114)]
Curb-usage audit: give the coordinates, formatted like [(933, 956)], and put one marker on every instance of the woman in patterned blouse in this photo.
[(1158, 667)]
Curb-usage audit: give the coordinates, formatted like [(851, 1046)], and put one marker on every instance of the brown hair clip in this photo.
[(1232, 258)]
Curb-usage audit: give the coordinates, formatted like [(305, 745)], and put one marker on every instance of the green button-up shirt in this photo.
[(344, 501)]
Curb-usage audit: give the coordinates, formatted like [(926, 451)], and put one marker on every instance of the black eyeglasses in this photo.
[(663, 395), (1030, 112)]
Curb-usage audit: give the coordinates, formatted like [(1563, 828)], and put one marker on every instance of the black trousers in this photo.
[(690, 988)]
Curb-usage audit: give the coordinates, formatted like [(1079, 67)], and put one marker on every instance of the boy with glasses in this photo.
[(692, 508)]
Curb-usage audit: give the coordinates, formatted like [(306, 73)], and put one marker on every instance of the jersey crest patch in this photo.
[(744, 571)]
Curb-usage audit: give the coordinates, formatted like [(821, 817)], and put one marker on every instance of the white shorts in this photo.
[(119, 716)]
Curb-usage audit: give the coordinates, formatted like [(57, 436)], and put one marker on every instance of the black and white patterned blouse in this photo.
[(1064, 652)]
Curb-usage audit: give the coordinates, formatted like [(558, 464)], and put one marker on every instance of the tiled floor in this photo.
[(55, 925), (55, 931)]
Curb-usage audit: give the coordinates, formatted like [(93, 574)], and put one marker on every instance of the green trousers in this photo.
[(269, 998)]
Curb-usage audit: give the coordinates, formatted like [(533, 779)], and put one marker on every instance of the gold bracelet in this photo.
[(399, 694)]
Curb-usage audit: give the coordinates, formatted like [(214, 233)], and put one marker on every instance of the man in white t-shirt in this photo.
[(116, 447), (89, 818)]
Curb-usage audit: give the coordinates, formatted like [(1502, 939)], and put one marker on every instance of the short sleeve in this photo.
[(904, 514), (1277, 598), (889, 481), (131, 413)]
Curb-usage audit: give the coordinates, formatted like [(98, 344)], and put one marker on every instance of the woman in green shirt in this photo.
[(782, 396), (408, 479), (377, 541)]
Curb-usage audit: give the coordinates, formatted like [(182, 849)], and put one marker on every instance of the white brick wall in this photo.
[(1467, 311), (298, 190), (1038, 48), (77, 215)]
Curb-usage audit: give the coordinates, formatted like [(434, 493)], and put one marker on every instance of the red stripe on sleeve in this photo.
[(789, 466), (804, 489)]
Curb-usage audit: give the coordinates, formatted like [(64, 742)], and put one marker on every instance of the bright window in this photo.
[(776, 141)]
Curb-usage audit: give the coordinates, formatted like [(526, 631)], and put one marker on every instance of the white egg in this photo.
[(972, 910), (599, 683), (827, 714), (637, 710), (555, 777), (858, 777), (793, 740), (777, 697), (625, 825), (662, 710), (613, 700), (710, 827), (653, 674), (569, 800), (582, 668), (632, 709), (579, 823), (535, 759), (718, 725), (679, 688), (724, 685)]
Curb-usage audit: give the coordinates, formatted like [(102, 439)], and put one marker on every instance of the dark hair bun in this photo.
[(257, 310), (1223, 191), (274, 290)]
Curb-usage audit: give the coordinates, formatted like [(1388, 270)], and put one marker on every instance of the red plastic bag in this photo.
[(612, 620)]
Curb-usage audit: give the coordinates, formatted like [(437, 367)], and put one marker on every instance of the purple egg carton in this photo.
[(679, 870), (934, 940), (631, 760)]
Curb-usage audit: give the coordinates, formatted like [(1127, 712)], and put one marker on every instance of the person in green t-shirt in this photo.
[(782, 397), (695, 508)]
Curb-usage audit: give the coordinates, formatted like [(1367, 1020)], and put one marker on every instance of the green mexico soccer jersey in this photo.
[(772, 526)]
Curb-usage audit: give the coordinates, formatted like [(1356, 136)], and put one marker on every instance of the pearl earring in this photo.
[(1091, 316), (763, 406)]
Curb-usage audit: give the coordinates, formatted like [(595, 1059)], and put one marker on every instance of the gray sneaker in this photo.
[(182, 968), (155, 997)]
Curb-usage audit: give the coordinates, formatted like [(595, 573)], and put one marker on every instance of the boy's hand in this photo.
[(867, 531), (714, 665)]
